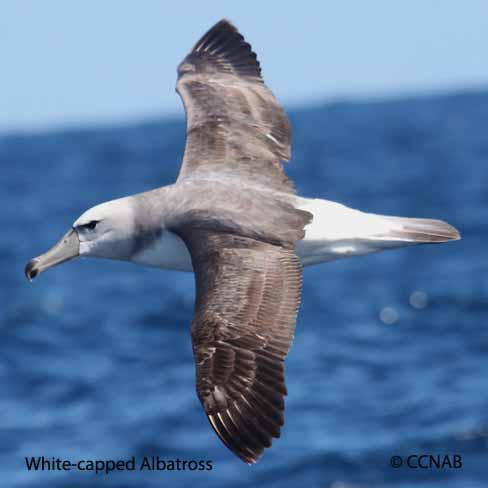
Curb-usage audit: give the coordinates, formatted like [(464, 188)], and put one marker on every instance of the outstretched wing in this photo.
[(235, 126), (248, 294)]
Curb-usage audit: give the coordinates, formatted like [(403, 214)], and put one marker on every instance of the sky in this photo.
[(93, 62)]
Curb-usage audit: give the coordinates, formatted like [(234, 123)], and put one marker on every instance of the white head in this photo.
[(104, 231), (107, 230)]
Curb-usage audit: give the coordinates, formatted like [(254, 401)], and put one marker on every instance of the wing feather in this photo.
[(248, 293), (235, 126)]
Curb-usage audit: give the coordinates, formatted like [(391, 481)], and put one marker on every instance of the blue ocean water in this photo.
[(95, 356)]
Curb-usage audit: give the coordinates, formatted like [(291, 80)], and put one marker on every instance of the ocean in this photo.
[(391, 350)]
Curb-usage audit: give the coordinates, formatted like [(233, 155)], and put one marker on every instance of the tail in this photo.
[(337, 232), (419, 231)]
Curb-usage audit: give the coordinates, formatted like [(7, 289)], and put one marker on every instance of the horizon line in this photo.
[(126, 122)]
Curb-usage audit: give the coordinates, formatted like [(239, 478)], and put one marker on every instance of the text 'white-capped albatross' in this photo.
[(234, 219)]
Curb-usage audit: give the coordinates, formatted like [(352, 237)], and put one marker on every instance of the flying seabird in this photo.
[(234, 219)]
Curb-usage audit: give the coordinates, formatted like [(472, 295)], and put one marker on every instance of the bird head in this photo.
[(103, 231)]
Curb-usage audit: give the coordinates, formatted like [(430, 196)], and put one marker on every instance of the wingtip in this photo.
[(223, 24), (222, 49), (250, 460), (225, 21)]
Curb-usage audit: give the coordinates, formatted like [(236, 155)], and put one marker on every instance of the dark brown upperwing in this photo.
[(248, 294), (235, 126)]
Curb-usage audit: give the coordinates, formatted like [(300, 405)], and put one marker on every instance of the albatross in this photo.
[(234, 219)]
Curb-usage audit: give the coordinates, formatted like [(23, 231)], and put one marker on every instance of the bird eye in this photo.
[(90, 225)]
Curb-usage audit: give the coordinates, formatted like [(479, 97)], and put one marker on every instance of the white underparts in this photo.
[(168, 252), (335, 232)]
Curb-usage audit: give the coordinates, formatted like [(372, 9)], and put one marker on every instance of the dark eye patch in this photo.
[(90, 225)]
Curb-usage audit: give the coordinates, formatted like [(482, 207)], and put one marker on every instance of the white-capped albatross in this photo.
[(234, 219)]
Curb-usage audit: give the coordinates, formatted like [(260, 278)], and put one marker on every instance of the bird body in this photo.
[(234, 219), (335, 231)]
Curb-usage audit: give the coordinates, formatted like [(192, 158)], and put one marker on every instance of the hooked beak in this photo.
[(67, 248)]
